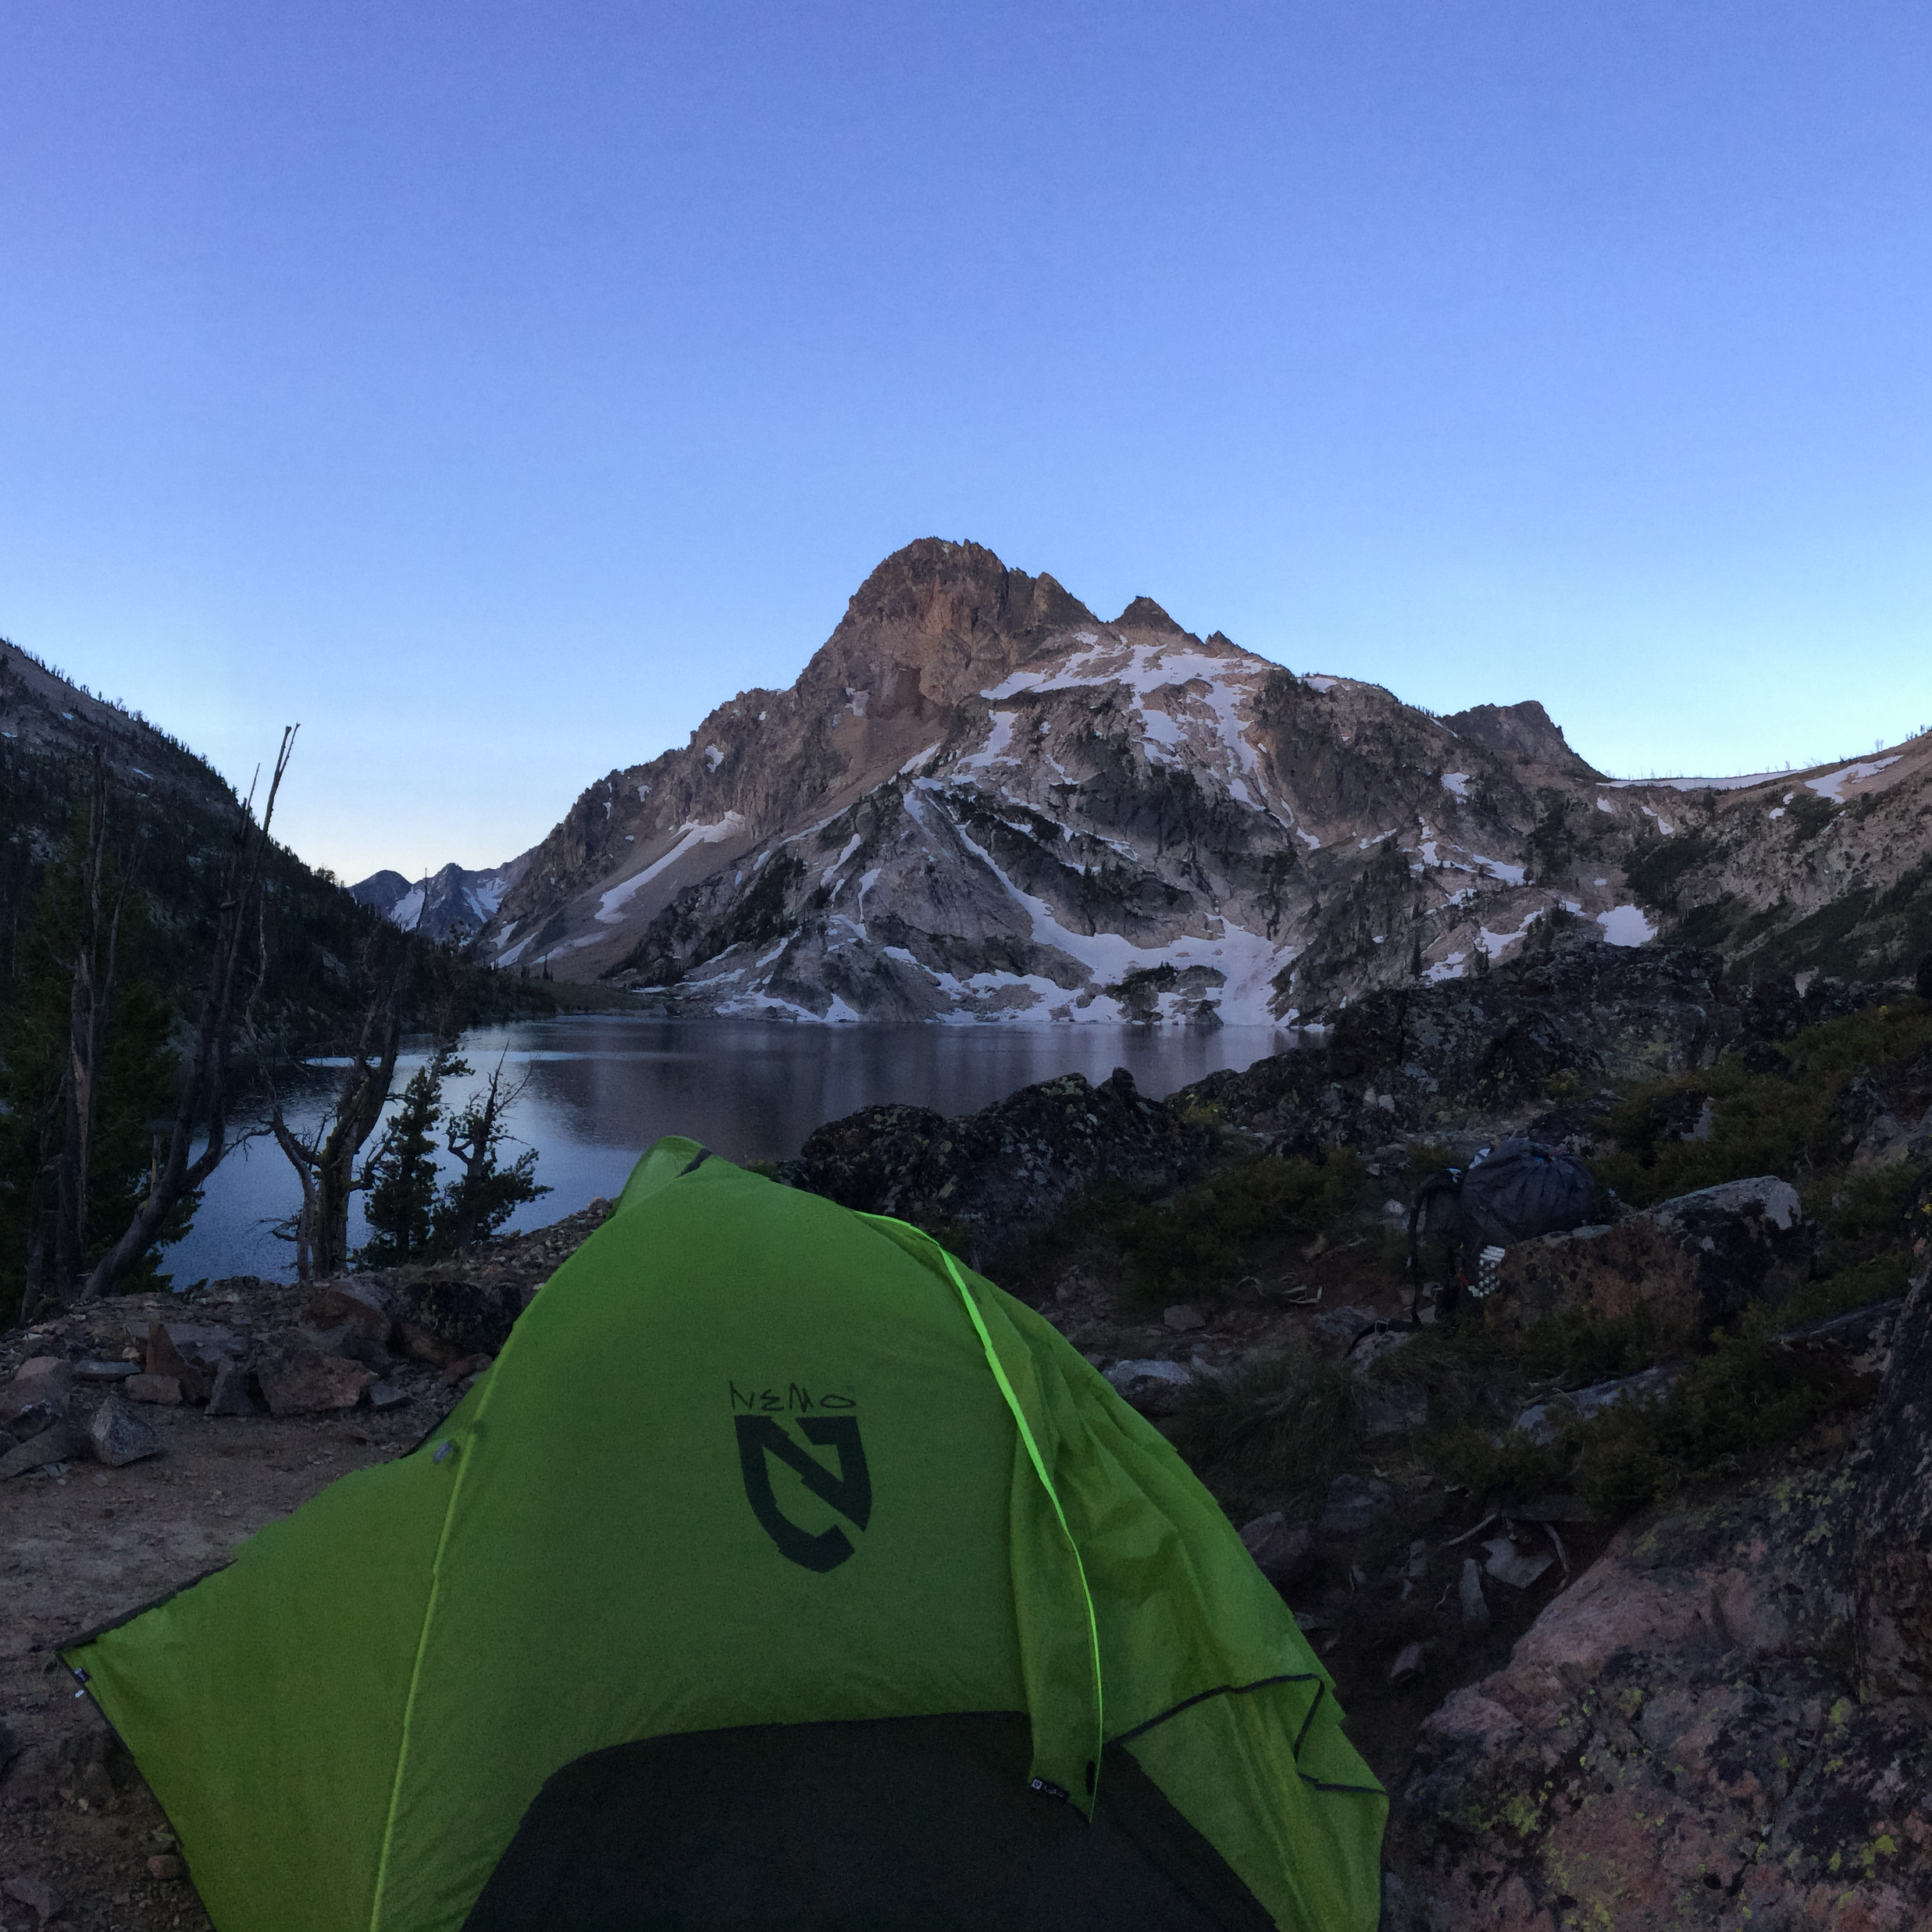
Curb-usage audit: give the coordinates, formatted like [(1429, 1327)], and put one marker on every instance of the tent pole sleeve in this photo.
[(422, 1636), (409, 1703), (1038, 1461)]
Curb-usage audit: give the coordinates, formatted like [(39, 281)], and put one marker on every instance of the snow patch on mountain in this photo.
[(611, 906), (1691, 784), (1833, 786), (1626, 925)]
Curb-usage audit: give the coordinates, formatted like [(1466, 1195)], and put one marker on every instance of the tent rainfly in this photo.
[(780, 1573)]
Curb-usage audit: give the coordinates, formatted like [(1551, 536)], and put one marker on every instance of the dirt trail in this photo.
[(87, 1548)]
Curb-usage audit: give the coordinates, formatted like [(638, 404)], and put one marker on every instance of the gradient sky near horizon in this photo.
[(495, 388)]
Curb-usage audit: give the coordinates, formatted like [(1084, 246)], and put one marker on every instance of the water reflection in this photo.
[(601, 1087)]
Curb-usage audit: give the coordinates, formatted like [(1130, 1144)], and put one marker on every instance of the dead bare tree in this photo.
[(301, 1158), (203, 1105), (325, 1161)]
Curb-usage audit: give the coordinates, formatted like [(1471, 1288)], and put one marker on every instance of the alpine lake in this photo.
[(598, 1089)]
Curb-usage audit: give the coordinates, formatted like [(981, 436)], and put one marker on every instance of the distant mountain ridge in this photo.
[(450, 900), (46, 719), (171, 818), (980, 801)]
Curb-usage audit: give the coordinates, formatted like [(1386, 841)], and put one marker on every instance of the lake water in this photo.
[(602, 1087)]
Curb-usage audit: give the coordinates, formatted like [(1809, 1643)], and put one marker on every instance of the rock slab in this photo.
[(1692, 1262), (166, 1362), (1154, 1387), (118, 1436), (298, 1380), (442, 1321), (38, 1897), (1008, 1169), (1281, 1549), (37, 1397), (55, 1444), (1352, 1504), (229, 1397), (1893, 1563), (1674, 1742), (368, 1307)]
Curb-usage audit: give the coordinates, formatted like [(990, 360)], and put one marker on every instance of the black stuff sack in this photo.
[(1522, 1189), (1513, 1192)]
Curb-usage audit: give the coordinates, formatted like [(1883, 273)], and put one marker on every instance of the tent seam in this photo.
[(1241, 1690), (1053, 1496), (409, 1703), (1224, 1690), (1039, 1469), (422, 1644)]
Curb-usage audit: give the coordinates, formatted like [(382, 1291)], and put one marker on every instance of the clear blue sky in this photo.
[(494, 387)]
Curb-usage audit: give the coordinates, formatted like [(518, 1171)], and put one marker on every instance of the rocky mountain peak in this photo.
[(980, 802), (380, 890), (1144, 614), (935, 586), (454, 899), (1526, 729), (940, 620)]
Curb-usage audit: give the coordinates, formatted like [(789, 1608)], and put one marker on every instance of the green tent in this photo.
[(780, 1573)]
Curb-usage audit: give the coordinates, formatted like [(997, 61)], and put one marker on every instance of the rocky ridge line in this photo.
[(980, 801)]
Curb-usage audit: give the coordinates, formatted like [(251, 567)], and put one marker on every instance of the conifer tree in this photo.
[(486, 1191), (402, 1177), (85, 1066), (412, 1214)]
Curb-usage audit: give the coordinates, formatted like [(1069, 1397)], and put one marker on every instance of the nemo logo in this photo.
[(850, 1492)]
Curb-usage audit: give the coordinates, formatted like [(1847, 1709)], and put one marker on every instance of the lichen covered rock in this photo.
[(1894, 1516), (1677, 1741)]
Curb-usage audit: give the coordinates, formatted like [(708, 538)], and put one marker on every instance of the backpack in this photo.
[(1513, 1192)]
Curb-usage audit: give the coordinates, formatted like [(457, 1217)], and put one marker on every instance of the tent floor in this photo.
[(885, 1826)]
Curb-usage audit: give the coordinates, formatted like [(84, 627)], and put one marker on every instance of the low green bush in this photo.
[(1785, 1124), (1749, 1395), (1574, 1348), (1088, 1225), (1279, 1427), (1208, 1234), (1497, 1466), (1864, 1215), (1740, 1396)]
